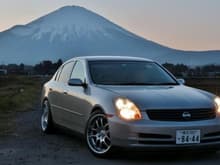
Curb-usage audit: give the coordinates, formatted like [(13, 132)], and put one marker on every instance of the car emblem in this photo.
[(186, 115)]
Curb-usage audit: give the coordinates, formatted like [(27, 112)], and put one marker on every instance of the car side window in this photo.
[(65, 73), (78, 71), (56, 76)]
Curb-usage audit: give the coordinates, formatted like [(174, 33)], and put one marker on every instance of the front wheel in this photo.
[(98, 135)]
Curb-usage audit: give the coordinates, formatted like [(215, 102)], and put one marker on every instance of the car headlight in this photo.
[(127, 109), (217, 102)]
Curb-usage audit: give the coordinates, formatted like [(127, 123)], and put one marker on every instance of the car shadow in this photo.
[(134, 156), (162, 157)]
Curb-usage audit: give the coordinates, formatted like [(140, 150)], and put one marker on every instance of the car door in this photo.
[(59, 112), (54, 94), (76, 101)]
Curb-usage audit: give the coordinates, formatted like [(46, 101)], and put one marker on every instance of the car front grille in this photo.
[(181, 114)]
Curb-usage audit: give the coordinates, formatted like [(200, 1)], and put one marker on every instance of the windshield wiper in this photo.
[(136, 83), (168, 83)]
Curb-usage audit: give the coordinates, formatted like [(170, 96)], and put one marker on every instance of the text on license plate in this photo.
[(187, 136)]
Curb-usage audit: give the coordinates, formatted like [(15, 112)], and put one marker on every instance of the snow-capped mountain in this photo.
[(75, 31)]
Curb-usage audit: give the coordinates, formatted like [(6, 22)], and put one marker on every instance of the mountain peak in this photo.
[(67, 22), (68, 14), (73, 7), (71, 11)]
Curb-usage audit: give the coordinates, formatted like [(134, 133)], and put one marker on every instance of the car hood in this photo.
[(164, 97)]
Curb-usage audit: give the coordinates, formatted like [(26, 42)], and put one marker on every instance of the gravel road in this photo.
[(28, 146)]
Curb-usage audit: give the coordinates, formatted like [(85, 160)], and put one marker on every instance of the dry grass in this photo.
[(17, 93)]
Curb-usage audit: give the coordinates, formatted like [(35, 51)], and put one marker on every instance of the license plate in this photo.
[(188, 136)]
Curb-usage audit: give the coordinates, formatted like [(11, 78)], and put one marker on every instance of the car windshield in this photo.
[(129, 73)]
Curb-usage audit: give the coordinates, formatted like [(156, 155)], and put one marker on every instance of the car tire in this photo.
[(98, 135), (46, 118)]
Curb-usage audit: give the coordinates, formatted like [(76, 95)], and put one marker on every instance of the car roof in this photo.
[(110, 58)]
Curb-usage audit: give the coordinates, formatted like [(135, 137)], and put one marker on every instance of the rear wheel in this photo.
[(46, 118), (98, 135)]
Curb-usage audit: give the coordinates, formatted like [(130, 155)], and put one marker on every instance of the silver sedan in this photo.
[(129, 102)]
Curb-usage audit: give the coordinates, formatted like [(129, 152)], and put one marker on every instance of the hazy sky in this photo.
[(181, 24)]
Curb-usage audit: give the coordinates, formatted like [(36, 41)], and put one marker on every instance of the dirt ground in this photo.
[(26, 145)]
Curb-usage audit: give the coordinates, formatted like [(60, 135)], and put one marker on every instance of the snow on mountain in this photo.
[(74, 31), (67, 23)]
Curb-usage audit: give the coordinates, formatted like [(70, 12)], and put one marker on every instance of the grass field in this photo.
[(21, 93), (209, 84), (17, 93)]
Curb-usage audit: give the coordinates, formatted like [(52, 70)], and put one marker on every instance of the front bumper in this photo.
[(160, 135)]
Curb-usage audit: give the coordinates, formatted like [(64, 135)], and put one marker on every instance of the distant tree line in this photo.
[(48, 67), (181, 70)]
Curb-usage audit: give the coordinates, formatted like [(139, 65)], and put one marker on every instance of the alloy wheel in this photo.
[(98, 135)]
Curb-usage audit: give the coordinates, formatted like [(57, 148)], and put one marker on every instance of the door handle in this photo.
[(65, 92)]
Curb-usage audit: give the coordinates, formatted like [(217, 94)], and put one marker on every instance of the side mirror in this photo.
[(181, 81), (77, 82)]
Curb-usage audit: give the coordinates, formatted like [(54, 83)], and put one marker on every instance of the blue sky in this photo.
[(181, 24)]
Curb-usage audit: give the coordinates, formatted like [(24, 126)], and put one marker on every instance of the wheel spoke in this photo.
[(107, 131), (94, 129), (97, 123), (100, 144), (46, 119), (108, 138), (106, 126), (92, 136), (101, 121), (104, 142)]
